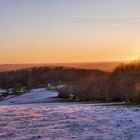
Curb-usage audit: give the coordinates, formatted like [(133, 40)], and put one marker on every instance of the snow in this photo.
[(63, 121), (39, 89), (9, 97), (61, 86), (2, 91), (35, 96), (32, 117), (52, 87)]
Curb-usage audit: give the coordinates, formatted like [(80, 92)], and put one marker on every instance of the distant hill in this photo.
[(106, 66)]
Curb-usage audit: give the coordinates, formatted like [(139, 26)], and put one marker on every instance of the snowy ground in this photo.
[(65, 121), (35, 96), (69, 121)]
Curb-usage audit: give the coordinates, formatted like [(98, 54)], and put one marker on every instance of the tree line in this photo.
[(41, 76), (123, 84)]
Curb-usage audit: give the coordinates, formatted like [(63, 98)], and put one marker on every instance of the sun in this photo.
[(136, 55)]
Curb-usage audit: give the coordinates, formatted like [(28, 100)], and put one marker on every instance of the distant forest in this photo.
[(41, 76)]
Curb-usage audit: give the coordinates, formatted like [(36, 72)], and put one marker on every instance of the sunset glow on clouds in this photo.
[(48, 31)]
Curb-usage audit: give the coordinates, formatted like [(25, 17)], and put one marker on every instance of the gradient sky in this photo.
[(51, 31)]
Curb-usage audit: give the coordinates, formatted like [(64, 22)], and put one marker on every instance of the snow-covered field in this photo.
[(65, 121), (40, 95), (69, 121)]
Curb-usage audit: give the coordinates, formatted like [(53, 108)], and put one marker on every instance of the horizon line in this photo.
[(26, 63)]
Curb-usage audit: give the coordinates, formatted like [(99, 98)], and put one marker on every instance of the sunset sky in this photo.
[(56, 31)]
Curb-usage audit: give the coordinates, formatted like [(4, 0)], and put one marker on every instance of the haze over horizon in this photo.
[(104, 66), (64, 31)]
